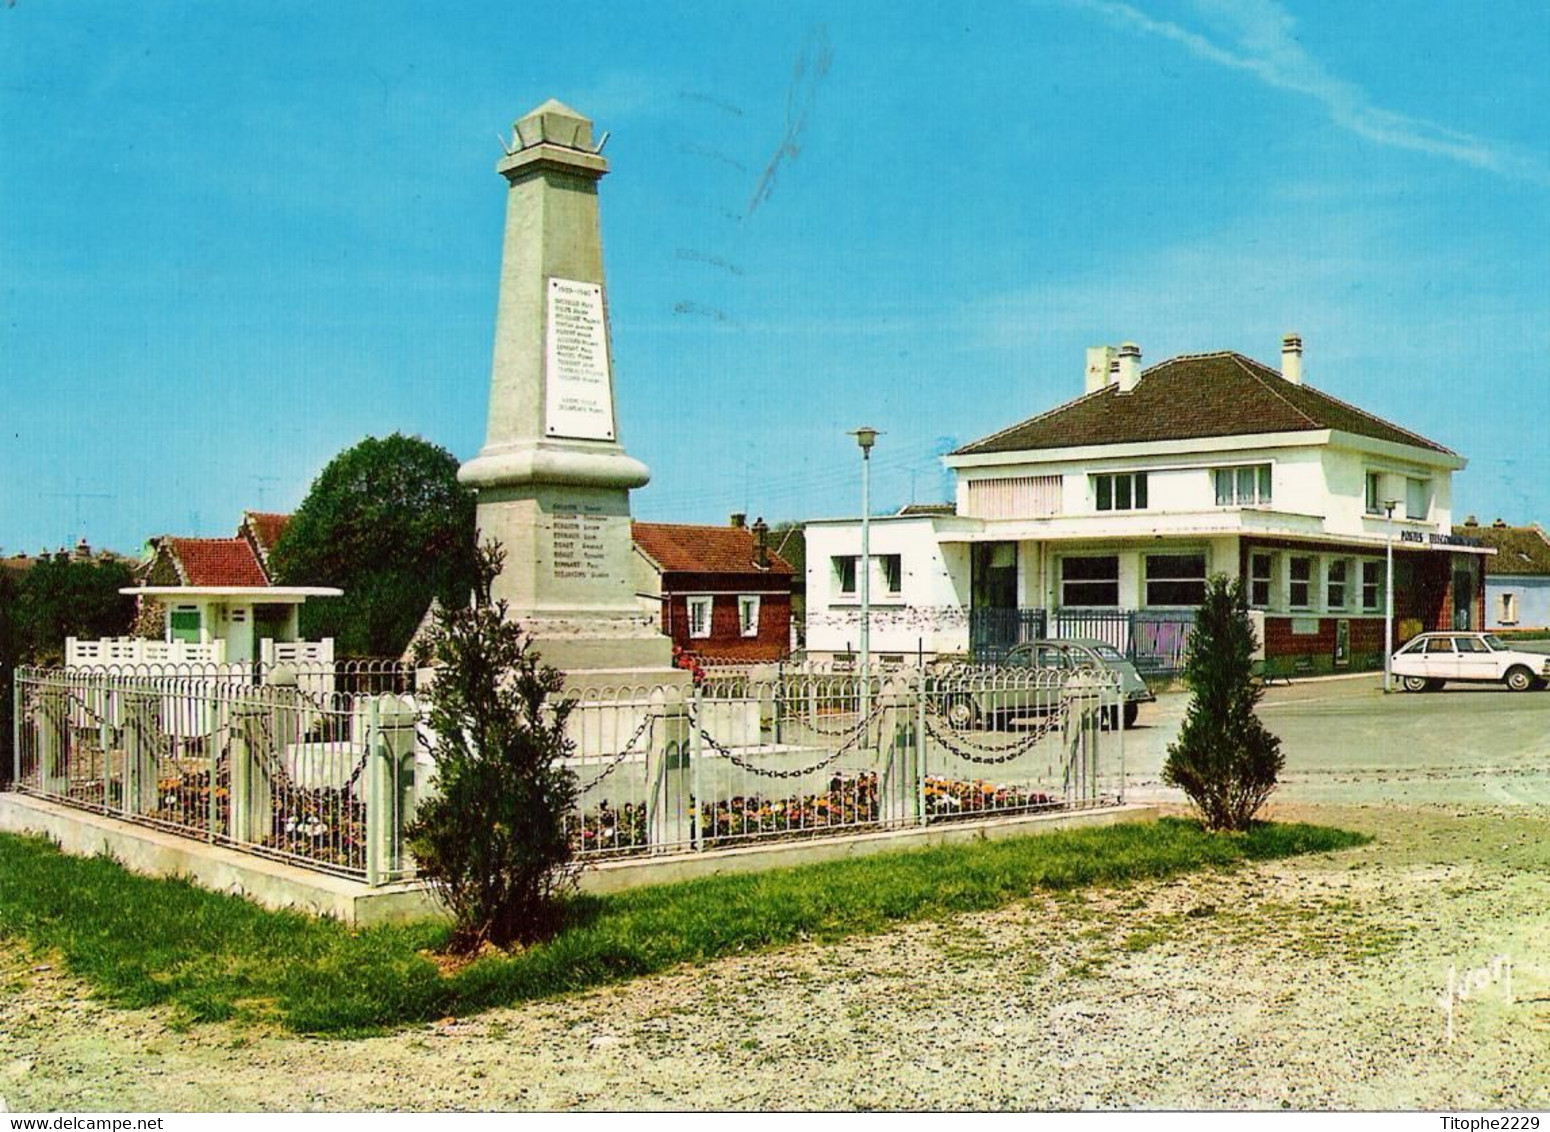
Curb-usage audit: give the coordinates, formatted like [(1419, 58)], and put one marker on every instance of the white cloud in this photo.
[(1257, 37)]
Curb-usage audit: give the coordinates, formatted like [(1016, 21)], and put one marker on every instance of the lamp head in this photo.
[(865, 437)]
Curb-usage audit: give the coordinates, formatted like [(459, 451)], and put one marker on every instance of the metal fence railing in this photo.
[(774, 752), (328, 779), (1153, 639), (324, 779)]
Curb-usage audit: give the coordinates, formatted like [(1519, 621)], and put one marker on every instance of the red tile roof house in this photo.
[(218, 602), (722, 592)]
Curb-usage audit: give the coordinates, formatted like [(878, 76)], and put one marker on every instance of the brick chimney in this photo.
[(761, 544), (739, 519), (1129, 362), (1291, 358)]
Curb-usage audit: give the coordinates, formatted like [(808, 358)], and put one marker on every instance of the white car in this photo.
[(1429, 660)]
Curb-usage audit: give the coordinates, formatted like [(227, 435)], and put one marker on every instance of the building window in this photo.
[(1418, 498), (1335, 579), (1090, 581), (1261, 569), (1299, 591), (1122, 491), (1507, 608), (1175, 579), (893, 573), (1243, 487), (748, 614), (184, 624), (1372, 586), (1374, 501), (845, 573), (699, 615)]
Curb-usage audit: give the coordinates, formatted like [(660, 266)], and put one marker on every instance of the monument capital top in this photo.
[(552, 136), (554, 123)]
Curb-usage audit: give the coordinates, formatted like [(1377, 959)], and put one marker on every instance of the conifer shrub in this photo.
[(492, 841), (1224, 759)]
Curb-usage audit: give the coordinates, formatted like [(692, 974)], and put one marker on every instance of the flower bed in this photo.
[(952, 798), (850, 803)]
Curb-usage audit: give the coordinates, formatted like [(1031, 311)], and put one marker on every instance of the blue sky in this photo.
[(236, 238)]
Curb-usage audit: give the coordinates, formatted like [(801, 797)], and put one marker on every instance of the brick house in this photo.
[(721, 592)]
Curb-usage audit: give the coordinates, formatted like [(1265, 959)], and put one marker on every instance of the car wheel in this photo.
[(1519, 679), (962, 713), (1417, 684), (1132, 711)]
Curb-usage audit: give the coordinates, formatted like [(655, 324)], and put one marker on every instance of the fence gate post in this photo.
[(16, 727), (140, 786), (376, 820), (1119, 714), (696, 797), (921, 815)]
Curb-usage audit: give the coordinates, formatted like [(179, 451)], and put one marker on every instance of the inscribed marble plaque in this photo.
[(578, 400)]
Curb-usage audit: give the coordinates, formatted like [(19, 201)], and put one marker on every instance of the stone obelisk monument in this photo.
[(553, 478)]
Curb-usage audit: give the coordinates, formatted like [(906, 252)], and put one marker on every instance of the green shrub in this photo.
[(1224, 759), (492, 841)]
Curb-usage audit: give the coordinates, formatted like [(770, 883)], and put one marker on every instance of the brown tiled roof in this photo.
[(1191, 397), (266, 527), (683, 548), (215, 561), (1519, 550)]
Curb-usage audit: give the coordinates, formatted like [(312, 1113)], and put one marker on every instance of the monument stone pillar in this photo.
[(553, 478)]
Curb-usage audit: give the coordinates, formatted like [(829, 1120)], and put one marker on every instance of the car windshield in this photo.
[(1108, 652), (1496, 643)]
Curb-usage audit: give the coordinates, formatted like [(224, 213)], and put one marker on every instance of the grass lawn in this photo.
[(141, 941)]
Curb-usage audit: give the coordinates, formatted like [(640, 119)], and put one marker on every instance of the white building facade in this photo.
[(1106, 515)]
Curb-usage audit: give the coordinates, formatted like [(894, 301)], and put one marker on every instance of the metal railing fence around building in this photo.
[(1154, 640), (329, 779), (321, 778)]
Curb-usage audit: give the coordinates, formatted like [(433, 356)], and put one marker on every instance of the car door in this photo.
[(1475, 661), (1440, 659)]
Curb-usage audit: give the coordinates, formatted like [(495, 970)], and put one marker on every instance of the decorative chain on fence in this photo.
[(765, 772), (998, 755), (647, 727)]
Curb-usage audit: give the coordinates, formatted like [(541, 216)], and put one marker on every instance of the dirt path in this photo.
[(1309, 983)]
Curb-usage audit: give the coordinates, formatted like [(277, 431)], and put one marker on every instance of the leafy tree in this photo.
[(387, 522), (1224, 759), (10, 657), (58, 597), (63, 597), (492, 841)]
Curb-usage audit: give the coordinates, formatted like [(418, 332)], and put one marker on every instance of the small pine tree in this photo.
[(1224, 759), (492, 841)]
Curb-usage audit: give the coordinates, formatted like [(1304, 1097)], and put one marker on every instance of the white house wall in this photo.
[(926, 613)]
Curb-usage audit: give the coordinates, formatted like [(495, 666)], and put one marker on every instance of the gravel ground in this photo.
[(1310, 983)]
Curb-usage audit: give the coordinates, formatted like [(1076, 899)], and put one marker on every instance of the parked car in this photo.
[(1426, 662), (1086, 652), (985, 700)]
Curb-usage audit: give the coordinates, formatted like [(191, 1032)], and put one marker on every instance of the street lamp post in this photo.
[(865, 438), (1388, 598)]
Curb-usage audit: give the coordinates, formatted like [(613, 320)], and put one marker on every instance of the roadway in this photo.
[(1346, 741)]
